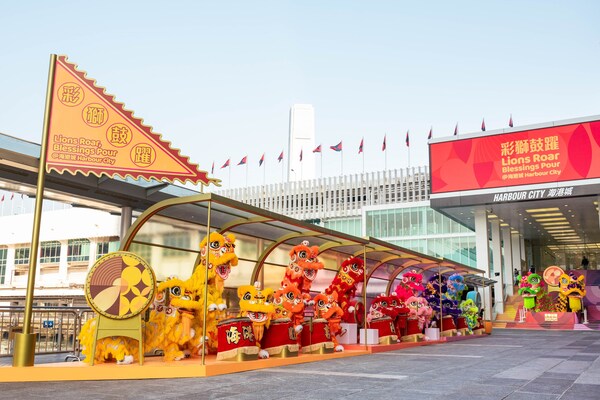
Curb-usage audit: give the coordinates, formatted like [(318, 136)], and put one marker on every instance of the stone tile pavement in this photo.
[(510, 364)]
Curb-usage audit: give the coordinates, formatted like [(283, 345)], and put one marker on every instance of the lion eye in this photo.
[(321, 303), (354, 267), (176, 291), (247, 296), (290, 295), (215, 245), (302, 254)]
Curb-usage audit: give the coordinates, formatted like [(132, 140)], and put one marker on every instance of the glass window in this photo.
[(142, 250), (178, 240), (21, 255), (78, 250), (103, 248), (50, 252), (2, 265)]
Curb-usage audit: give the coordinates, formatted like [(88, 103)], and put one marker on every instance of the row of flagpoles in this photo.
[(338, 148)]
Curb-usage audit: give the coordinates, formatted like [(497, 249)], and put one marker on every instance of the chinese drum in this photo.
[(413, 332), (448, 326), (387, 331), (280, 339), (236, 340), (316, 337), (461, 325), (478, 329)]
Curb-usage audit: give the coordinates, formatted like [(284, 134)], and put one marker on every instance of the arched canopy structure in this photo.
[(264, 240)]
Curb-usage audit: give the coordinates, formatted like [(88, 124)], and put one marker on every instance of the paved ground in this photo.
[(510, 364)]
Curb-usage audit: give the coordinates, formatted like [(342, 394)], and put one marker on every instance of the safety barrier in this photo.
[(56, 328)]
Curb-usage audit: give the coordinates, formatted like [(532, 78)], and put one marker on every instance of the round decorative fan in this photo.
[(120, 285)]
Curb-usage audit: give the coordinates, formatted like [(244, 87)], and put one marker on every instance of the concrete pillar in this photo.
[(126, 214), (93, 252), (483, 258), (507, 272), (9, 272), (517, 251), (63, 265), (497, 263)]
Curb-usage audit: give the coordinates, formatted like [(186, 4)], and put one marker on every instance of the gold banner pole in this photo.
[(365, 296), (24, 353), (204, 335)]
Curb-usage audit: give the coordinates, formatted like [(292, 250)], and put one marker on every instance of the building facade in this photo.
[(390, 205)]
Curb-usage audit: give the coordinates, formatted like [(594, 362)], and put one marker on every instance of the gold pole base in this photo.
[(24, 354)]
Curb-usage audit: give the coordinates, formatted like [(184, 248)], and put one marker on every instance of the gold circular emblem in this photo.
[(120, 285)]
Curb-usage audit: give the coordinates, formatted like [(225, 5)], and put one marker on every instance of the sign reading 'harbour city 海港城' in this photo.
[(545, 155)]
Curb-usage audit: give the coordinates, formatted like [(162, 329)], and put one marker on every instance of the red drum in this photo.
[(316, 337), (386, 329), (412, 326), (479, 323), (401, 321), (236, 340), (448, 323), (280, 339), (413, 332), (461, 323), (448, 326)]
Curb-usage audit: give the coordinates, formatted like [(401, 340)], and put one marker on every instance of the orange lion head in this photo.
[(326, 306)]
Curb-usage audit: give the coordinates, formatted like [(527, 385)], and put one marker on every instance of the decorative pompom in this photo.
[(339, 348), (128, 359), (263, 354)]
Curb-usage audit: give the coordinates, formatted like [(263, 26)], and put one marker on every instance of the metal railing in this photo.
[(56, 328)]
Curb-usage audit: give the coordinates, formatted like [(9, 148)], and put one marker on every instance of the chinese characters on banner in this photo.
[(92, 133), (560, 153)]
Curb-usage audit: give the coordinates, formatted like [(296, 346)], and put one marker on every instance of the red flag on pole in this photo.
[(337, 147), (2, 198), (360, 148), (243, 160), (383, 146), (456, 129), (226, 163), (430, 133), (262, 160), (317, 149), (280, 157), (12, 196), (510, 121), (483, 125), (407, 140)]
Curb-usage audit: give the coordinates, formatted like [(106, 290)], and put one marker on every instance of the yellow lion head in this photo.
[(221, 253), (569, 285), (178, 294), (255, 303)]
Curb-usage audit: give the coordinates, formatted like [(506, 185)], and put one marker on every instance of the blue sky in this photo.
[(217, 79)]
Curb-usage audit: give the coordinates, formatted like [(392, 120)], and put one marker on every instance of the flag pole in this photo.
[(246, 173), (342, 158), (264, 173), (321, 164), (385, 153), (24, 353)]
